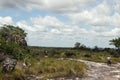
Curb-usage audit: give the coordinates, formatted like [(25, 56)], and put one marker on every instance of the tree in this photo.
[(116, 43), (12, 41), (77, 45), (13, 34), (95, 48)]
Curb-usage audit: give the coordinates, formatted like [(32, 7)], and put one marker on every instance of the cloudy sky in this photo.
[(61, 23)]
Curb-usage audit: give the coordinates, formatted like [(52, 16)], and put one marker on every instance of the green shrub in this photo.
[(114, 53), (88, 55), (12, 41), (53, 53), (70, 54)]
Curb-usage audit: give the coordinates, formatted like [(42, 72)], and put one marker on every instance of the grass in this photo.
[(47, 68), (98, 57), (18, 73), (51, 67)]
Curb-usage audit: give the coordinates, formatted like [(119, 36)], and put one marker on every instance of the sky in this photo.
[(62, 23)]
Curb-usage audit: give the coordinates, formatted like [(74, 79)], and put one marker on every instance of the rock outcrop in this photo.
[(8, 64), (2, 56)]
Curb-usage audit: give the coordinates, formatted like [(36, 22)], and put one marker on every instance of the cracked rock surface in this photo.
[(101, 71)]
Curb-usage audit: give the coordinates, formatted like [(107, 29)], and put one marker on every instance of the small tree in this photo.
[(77, 45), (12, 41), (115, 42), (95, 48)]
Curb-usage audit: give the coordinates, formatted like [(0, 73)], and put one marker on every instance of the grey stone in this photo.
[(8, 65)]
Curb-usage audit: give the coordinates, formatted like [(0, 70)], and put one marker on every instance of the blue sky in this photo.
[(57, 23)]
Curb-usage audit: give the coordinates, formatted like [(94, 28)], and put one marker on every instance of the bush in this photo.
[(87, 55), (114, 53), (53, 53), (70, 54), (12, 41)]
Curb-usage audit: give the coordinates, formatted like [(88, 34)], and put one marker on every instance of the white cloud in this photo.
[(117, 8), (117, 5), (101, 15), (47, 21), (50, 29), (25, 26), (64, 32), (91, 21), (98, 15), (57, 32), (115, 20), (67, 5), (6, 20), (54, 5)]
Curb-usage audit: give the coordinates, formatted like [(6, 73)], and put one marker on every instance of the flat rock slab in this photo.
[(101, 71)]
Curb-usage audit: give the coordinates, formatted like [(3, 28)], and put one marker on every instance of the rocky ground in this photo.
[(101, 71)]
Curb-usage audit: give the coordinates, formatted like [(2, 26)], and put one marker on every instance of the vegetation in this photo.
[(51, 68), (79, 46), (47, 68), (44, 62), (116, 43), (12, 41), (95, 54)]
